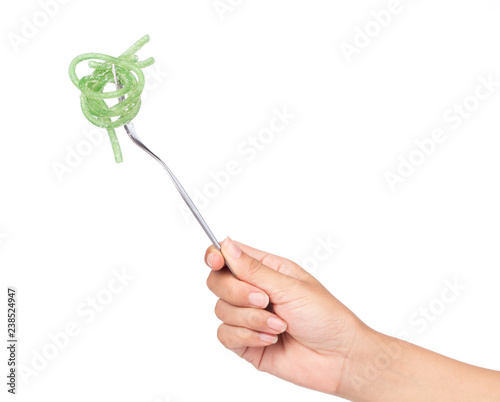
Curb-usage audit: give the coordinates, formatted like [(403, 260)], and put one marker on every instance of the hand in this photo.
[(314, 341), (316, 331)]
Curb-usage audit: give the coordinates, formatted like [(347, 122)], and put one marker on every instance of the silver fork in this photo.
[(129, 128)]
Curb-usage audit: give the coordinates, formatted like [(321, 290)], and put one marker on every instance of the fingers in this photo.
[(214, 259), (236, 337), (242, 300), (251, 318), (238, 293)]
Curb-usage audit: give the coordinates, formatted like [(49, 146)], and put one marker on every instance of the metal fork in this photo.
[(129, 128)]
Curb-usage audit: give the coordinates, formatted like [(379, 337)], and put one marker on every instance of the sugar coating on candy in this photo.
[(131, 78)]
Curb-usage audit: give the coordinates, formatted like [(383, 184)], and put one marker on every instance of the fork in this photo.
[(132, 133)]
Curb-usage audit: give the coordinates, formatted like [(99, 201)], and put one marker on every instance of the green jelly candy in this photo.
[(127, 68)]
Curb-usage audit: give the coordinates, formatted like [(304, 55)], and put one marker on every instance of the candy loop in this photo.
[(131, 78)]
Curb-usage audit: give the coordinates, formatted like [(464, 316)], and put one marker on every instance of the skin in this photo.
[(311, 339)]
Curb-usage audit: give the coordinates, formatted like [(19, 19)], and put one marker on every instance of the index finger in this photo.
[(214, 259)]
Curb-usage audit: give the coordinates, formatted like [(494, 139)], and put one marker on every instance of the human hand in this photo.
[(307, 339), (313, 340)]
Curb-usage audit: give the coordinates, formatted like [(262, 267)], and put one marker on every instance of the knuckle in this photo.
[(234, 291), (247, 336), (254, 318), (253, 267)]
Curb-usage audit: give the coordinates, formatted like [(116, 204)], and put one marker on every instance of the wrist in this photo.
[(369, 364), (382, 368)]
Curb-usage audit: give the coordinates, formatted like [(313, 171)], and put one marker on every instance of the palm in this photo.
[(279, 358)]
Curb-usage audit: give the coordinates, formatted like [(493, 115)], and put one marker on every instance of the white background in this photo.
[(216, 83)]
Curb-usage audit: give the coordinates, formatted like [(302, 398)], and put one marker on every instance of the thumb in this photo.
[(252, 271)]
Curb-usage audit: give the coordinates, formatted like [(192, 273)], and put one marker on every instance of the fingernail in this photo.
[(258, 300), (232, 248), (268, 338), (210, 258), (276, 324)]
